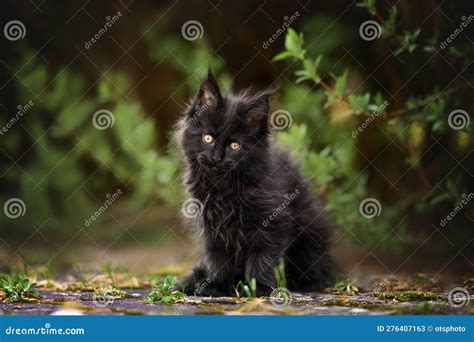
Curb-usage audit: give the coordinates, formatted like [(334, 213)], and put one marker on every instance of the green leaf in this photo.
[(113, 86), (389, 25), (370, 5), (66, 90), (283, 55), (440, 198), (340, 85), (310, 71), (72, 117), (438, 126), (309, 67), (170, 281), (359, 103), (408, 42), (294, 43), (317, 62)]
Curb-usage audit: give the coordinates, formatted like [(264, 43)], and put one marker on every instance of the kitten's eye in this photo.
[(235, 145), (207, 138)]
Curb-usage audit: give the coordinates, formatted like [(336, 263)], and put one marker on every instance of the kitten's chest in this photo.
[(218, 213), (223, 221)]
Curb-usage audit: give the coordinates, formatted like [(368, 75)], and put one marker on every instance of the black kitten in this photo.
[(255, 210)]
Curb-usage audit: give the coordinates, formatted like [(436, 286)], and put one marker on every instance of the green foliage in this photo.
[(47, 272), (109, 270), (389, 26), (280, 274), (369, 4), (191, 60), (165, 293), (345, 286), (16, 288), (332, 156), (56, 182), (359, 103), (408, 42), (294, 49), (339, 88), (109, 293), (246, 289), (293, 45)]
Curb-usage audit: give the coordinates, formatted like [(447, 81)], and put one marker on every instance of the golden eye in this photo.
[(207, 138), (235, 145)]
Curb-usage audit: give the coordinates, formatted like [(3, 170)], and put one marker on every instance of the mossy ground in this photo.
[(124, 293)]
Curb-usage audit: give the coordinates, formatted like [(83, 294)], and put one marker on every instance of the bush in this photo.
[(403, 155)]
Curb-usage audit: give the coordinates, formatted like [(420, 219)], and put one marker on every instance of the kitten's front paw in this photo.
[(188, 286), (193, 284), (203, 288), (209, 289)]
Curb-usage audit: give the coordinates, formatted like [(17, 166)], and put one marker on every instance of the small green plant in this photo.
[(109, 270), (280, 275), (16, 288), (110, 292), (248, 289), (47, 273), (165, 293), (80, 275), (346, 286)]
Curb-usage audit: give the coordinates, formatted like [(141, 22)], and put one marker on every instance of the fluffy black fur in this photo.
[(257, 209)]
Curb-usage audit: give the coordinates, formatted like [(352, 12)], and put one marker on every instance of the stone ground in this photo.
[(378, 295)]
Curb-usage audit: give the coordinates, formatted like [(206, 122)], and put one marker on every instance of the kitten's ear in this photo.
[(209, 94), (257, 115)]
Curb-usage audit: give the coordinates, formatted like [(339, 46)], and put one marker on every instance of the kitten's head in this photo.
[(221, 132)]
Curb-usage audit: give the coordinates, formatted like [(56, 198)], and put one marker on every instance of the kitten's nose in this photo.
[(217, 156)]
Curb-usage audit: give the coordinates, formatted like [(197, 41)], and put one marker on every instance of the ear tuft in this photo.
[(259, 107), (209, 93)]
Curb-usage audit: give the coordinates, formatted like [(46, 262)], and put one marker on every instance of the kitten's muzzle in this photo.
[(215, 165)]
